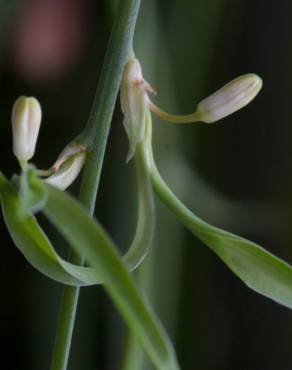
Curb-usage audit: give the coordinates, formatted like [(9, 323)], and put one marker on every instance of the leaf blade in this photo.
[(257, 268), (90, 241)]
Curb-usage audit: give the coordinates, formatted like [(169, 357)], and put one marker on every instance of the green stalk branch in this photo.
[(96, 132), (95, 137)]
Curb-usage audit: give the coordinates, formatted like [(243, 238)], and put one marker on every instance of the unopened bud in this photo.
[(68, 171), (230, 98), (134, 103), (26, 120)]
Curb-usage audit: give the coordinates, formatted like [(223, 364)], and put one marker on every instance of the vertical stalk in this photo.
[(95, 137), (161, 294)]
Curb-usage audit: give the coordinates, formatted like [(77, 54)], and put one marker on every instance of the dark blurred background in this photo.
[(235, 174)]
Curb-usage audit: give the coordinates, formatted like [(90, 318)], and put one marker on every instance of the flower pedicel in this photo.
[(135, 102)]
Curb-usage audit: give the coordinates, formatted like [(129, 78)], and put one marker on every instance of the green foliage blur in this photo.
[(235, 174)]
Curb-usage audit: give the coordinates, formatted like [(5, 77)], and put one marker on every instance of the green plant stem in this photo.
[(95, 134), (95, 137), (66, 320)]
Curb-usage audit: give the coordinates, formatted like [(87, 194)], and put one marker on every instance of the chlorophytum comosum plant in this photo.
[(35, 191)]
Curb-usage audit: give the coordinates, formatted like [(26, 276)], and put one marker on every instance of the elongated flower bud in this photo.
[(68, 171), (230, 98), (134, 103), (26, 120)]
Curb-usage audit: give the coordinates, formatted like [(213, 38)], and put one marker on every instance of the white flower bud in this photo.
[(68, 171), (26, 120), (134, 103), (230, 98)]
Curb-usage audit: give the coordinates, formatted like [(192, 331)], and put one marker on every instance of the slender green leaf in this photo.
[(88, 238), (259, 269), (35, 246), (256, 267)]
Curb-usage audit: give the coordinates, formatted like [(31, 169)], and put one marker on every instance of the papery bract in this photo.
[(68, 171), (134, 103)]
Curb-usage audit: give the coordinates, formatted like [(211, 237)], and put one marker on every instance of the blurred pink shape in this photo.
[(48, 37)]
